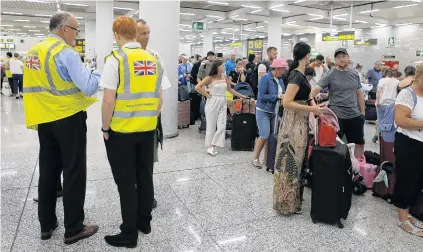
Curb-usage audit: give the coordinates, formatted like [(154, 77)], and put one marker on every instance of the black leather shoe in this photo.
[(145, 229), (47, 235), (154, 203), (120, 240), (58, 195)]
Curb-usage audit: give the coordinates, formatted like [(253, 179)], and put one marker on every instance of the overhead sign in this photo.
[(337, 36), (419, 53), (391, 41), (9, 40), (385, 57), (235, 44), (344, 44), (80, 45), (365, 42), (199, 26), (255, 46)]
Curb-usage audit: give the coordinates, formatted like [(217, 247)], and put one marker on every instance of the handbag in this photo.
[(327, 129)]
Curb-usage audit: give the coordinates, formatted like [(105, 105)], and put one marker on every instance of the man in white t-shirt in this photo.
[(16, 68), (143, 37), (318, 67)]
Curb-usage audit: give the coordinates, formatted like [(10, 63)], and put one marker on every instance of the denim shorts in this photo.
[(265, 123)]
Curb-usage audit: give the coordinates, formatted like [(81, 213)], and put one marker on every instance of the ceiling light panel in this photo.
[(218, 3), (21, 20), (76, 4), (369, 11), (213, 16), (255, 11), (12, 13), (123, 8), (404, 6), (251, 6), (187, 14), (43, 15), (280, 10)]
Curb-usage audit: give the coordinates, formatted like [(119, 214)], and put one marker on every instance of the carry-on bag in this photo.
[(244, 131), (328, 127), (184, 108), (331, 184), (417, 209), (384, 183), (372, 158), (272, 144), (370, 110), (367, 171)]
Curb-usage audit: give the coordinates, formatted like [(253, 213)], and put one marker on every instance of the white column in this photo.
[(207, 42), (274, 31), (163, 19), (90, 42), (104, 33)]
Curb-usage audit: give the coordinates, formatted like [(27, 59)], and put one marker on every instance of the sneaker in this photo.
[(215, 150)]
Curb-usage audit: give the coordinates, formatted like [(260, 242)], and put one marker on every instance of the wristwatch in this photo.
[(105, 131)]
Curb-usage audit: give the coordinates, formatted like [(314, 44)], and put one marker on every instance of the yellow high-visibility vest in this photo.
[(138, 92), (8, 72), (47, 97)]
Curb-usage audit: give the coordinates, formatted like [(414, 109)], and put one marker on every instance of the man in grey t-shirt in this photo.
[(345, 99)]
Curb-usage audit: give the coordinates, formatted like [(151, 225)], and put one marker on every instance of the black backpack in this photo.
[(254, 76)]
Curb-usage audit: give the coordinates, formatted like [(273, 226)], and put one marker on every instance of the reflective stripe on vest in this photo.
[(53, 90), (127, 95)]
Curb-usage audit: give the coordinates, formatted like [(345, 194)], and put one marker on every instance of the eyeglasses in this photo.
[(73, 28)]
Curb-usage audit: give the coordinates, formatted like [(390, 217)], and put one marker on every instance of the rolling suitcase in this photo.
[(370, 110), (244, 131), (332, 184), (184, 108), (272, 144)]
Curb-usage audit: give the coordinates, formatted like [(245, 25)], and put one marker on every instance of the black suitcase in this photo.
[(244, 131), (332, 184)]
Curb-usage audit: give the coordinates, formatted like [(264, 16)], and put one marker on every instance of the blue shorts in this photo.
[(265, 123)]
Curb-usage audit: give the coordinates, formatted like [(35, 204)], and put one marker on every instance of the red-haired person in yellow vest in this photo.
[(131, 80), (57, 89)]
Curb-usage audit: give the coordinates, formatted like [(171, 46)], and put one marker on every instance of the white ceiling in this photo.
[(225, 17)]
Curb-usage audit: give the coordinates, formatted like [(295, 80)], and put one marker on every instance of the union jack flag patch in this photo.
[(142, 68), (33, 62)]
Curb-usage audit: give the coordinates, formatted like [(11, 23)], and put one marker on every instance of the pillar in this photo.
[(90, 34), (104, 33), (164, 39), (207, 42), (274, 32)]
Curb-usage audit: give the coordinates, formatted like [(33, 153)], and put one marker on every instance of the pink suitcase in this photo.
[(367, 171), (184, 113)]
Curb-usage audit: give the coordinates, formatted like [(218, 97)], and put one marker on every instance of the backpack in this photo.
[(244, 88), (254, 75), (387, 125)]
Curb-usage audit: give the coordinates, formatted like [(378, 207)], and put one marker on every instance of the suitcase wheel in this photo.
[(340, 225), (183, 127), (314, 220)]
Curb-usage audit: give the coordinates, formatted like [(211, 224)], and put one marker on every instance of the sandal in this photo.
[(257, 164), (417, 223), (414, 231)]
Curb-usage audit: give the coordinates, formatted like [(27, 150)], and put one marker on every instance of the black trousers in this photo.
[(63, 145), (11, 85), (18, 82), (131, 157), (408, 171)]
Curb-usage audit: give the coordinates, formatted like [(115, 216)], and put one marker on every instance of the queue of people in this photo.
[(62, 95)]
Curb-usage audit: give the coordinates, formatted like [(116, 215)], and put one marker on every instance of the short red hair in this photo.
[(125, 27)]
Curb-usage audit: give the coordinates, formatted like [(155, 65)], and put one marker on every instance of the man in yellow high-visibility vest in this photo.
[(131, 80), (57, 87)]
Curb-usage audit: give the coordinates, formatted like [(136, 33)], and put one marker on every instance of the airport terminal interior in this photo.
[(207, 201)]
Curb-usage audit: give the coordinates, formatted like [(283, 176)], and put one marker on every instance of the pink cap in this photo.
[(279, 63)]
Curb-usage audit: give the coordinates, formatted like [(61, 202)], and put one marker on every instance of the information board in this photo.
[(80, 45), (365, 42), (255, 46), (338, 36)]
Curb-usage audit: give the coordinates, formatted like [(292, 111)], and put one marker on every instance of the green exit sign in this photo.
[(199, 26), (419, 53)]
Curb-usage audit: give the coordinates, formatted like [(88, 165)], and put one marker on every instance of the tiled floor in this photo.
[(204, 203)]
